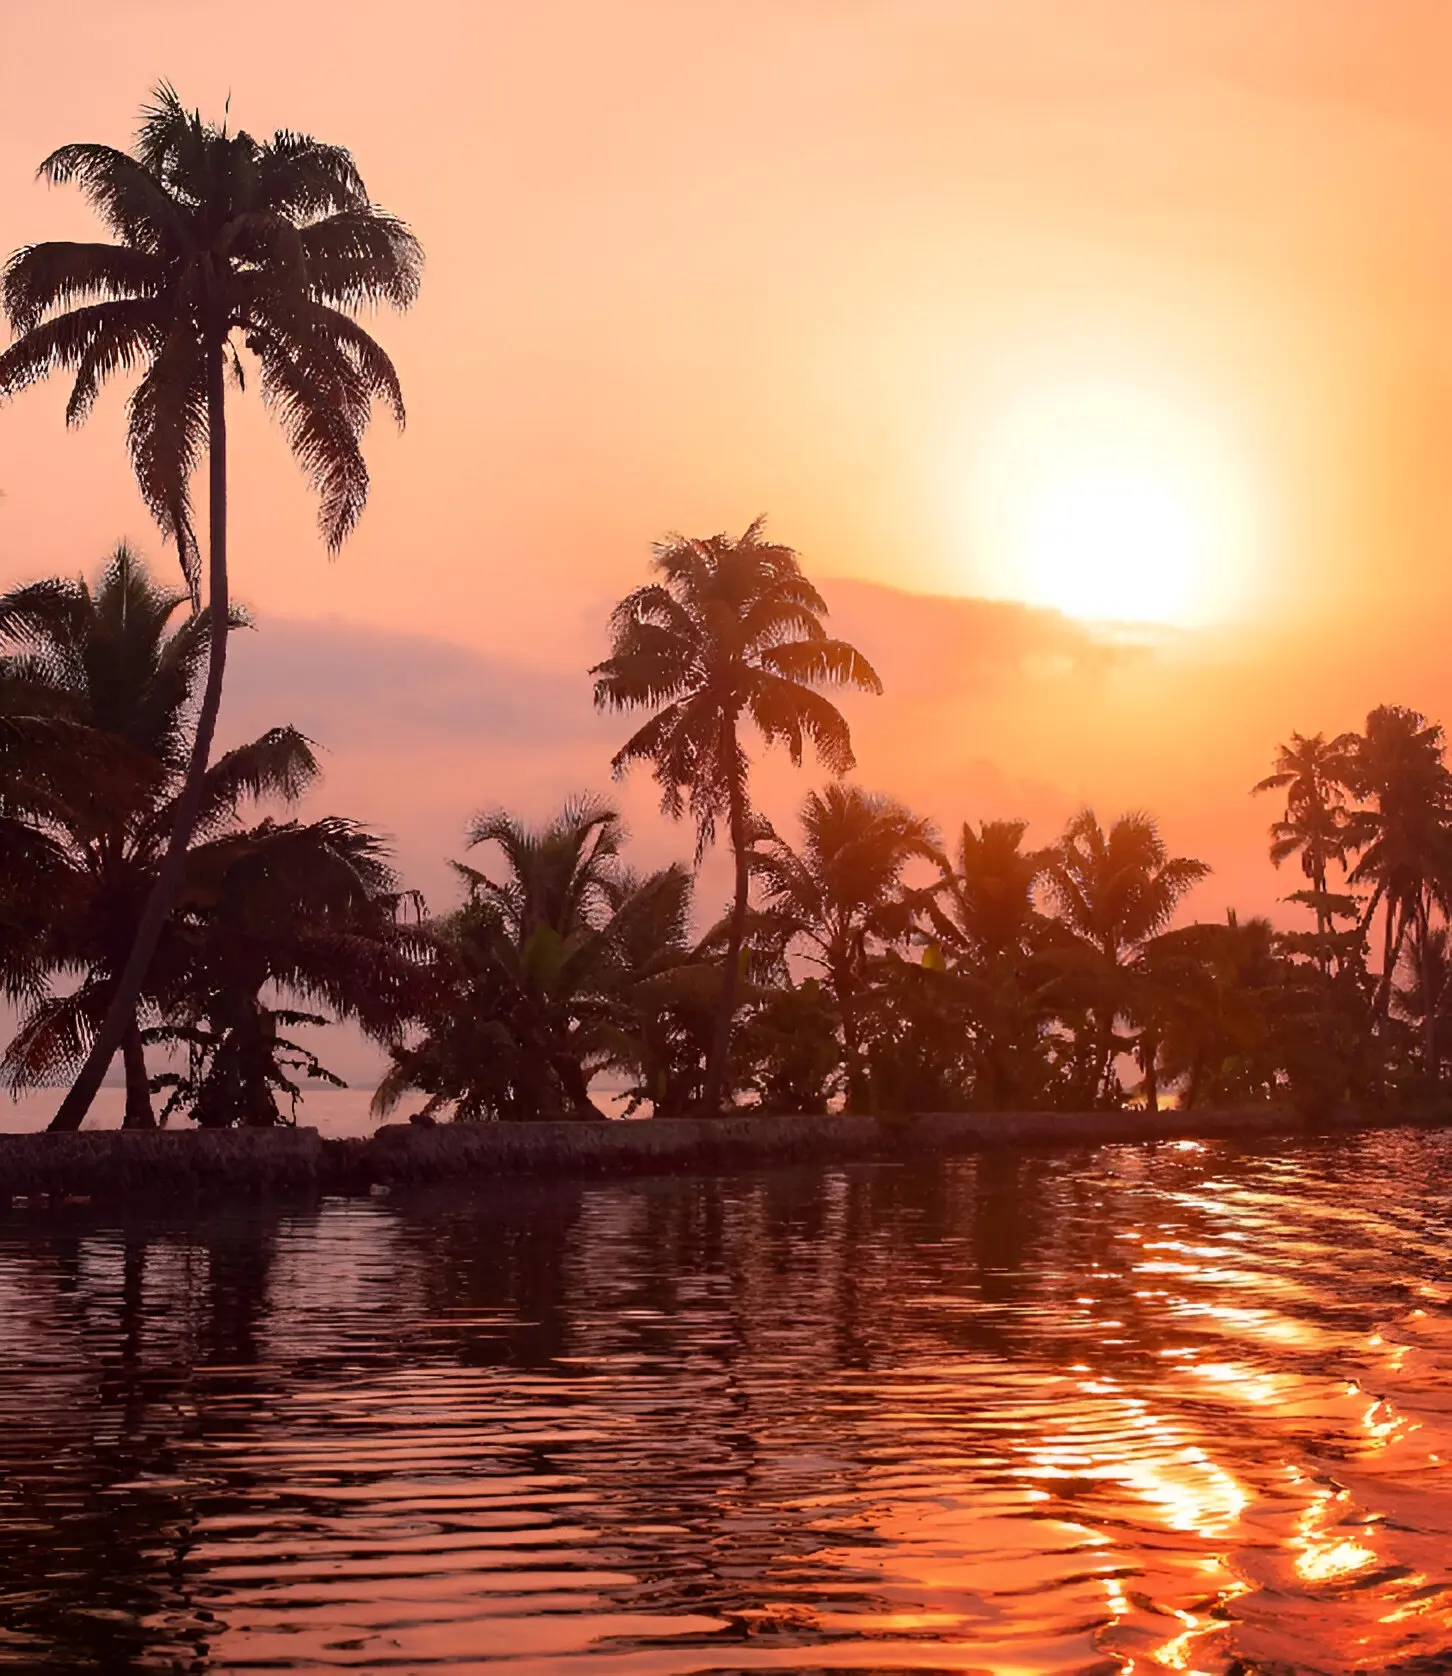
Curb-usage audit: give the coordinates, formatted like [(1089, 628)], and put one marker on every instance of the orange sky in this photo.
[(690, 260)]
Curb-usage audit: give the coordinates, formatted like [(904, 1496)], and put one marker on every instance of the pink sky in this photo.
[(697, 259)]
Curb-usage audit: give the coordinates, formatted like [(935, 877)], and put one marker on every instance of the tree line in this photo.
[(149, 901), (865, 961)]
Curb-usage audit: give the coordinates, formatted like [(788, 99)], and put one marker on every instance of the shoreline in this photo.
[(161, 1167)]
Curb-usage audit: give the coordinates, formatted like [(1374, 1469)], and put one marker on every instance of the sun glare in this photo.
[(1107, 504)]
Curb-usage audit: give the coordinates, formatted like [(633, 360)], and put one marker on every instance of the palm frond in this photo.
[(822, 662), (129, 198), (44, 277)]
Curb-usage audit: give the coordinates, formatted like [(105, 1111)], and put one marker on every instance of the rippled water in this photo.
[(1184, 1408)]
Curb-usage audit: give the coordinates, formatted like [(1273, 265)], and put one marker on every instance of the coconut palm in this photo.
[(731, 633), (1427, 996), (989, 935), (105, 663), (1114, 890), (1404, 837), (841, 897), (50, 767), (222, 243), (1315, 773), (983, 905), (1205, 999), (663, 990), (307, 912), (529, 972)]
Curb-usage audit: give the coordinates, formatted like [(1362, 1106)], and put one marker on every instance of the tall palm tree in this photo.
[(1404, 837), (1315, 773), (1113, 891), (105, 663), (841, 895), (731, 632), (221, 241)]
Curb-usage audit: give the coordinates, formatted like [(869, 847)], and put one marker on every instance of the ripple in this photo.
[(1125, 1410)]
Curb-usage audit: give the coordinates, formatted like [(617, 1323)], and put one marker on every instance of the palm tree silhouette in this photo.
[(1204, 997), (841, 895), (1315, 773), (219, 238), (732, 632), (1114, 890), (1404, 838), (986, 926), (530, 972), (105, 662), (310, 911)]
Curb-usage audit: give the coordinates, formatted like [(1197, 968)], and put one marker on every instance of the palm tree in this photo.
[(1427, 997), (731, 632), (1113, 891), (983, 905), (989, 934), (1204, 997), (309, 911), (220, 239), (663, 991), (841, 896), (530, 970), (1315, 773), (104, 663), (1404, 838), (50, 767)]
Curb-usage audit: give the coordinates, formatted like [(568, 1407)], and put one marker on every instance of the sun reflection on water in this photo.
[(933, 1418)]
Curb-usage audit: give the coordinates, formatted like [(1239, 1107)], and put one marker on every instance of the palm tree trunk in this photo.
[(1392, 939), (138, 1087), (1323, 919), (719, 1063), (1150, 1065), (858, 1093), (122, 1010), (1431, 1069)]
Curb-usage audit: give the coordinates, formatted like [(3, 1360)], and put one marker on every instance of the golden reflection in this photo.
[(1412, 1608), (1253, 1387), (1381, 1422), (1327, 1556)]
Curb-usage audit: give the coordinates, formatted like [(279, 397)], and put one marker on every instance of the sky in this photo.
[(934, 284)]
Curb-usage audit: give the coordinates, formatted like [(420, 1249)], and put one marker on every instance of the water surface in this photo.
[(1184, 1407)]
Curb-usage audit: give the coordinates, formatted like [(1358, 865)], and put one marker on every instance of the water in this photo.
[(1133, 1409)]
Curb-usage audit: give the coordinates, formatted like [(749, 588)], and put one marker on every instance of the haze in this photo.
[(688, 263)]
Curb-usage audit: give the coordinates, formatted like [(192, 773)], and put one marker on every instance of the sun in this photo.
[(1110, 504), (1115, 542)]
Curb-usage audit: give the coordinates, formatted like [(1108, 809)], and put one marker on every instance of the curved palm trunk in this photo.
[(719, 1063), (122, 1010), (139, 1114)]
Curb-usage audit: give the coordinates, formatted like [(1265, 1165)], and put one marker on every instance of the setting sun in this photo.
[(1109, 505), (1116, 543)]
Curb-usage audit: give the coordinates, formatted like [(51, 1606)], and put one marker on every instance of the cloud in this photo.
[(350, 686)]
